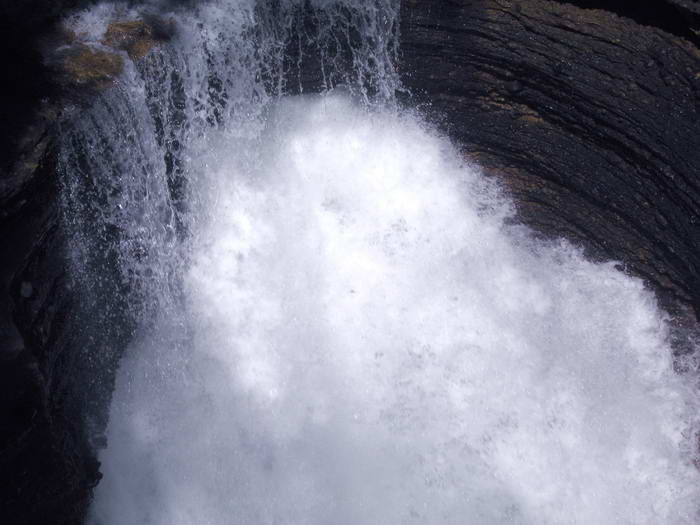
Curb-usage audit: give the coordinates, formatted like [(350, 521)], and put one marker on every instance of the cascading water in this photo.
[(333, 320)]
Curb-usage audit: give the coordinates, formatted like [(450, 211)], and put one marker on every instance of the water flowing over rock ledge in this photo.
[(589, 115)]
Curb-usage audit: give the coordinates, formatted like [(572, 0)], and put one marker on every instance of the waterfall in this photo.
[(332, 316)]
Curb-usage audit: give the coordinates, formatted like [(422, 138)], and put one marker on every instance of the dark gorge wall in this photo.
[(46, 470), (589, 116), (55, 373), (586, 110)]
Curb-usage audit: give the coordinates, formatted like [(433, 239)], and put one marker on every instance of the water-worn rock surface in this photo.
[(586, 110), (589, 116), (48, 466)]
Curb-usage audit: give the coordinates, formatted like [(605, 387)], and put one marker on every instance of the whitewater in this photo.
[(339, 319)]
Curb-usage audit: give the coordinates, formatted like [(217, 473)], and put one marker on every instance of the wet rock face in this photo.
[(589, 116), (85, 66), (47, 465), (80, 68), (137, 37), (24, 27)]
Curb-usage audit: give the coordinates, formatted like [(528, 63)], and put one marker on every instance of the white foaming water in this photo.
[(337, 322), (129, 160), (364, 341)]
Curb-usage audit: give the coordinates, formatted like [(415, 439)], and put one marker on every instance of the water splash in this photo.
[(335, 323), (132, 153), (366, 342)]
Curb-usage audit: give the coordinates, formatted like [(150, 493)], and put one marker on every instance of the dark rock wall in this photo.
[(47, 468), (26, 26), (586, 110), (590, 117)]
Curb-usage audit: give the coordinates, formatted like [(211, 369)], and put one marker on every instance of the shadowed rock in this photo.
[(590, 118), (47, 465)]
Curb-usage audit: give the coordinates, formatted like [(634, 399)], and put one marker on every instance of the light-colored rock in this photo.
[(135, 37), (86, 66)]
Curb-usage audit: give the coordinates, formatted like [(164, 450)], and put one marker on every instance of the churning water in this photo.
[(336, 322)]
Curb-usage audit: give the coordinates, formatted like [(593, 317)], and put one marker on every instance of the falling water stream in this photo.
[(336, 320)]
